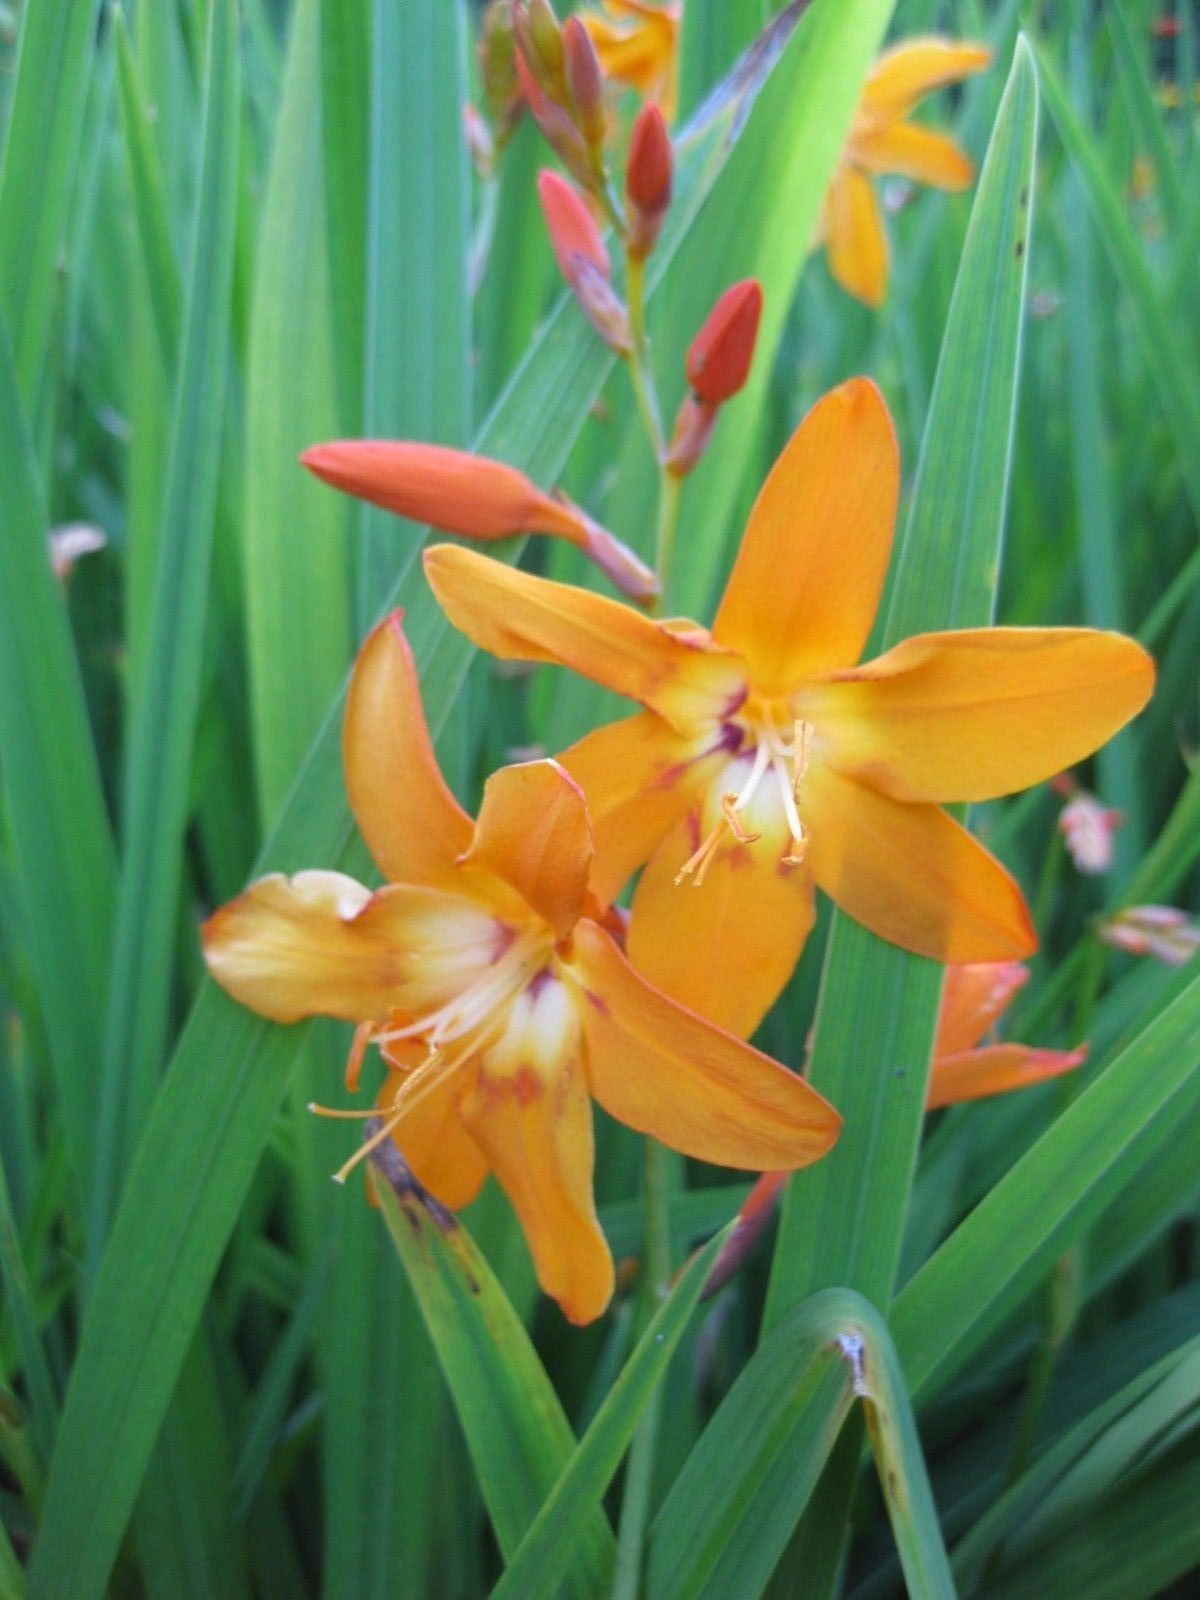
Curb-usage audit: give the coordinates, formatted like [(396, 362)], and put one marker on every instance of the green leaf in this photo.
[(1120, 1123), (537, 1566), (55, 803), (158, 782), (516, 1429), (732, 1509), (216, 1107), (41, 154), (345, 29)]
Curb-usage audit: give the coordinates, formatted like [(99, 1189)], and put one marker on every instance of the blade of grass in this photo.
[(517, 1432), (345, 44), (164, 719), (230, 1070)]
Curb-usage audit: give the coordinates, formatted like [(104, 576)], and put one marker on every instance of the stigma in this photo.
[(768, 793)]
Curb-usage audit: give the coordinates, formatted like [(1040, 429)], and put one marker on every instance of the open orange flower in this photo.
[(765, 760), (499, 1000), (973, 1000), (638, 45), (882, 141)]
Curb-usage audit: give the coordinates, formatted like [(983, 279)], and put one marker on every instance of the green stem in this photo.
[(639, 1474), (481, 239), (669, 490), (640, 370)]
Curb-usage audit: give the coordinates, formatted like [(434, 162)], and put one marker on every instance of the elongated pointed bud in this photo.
[(718, 361), (497, 56), (471, 496), (560, 133), (756, 1212), (648, 172), (585, 83), (540, 43), (582, 258)]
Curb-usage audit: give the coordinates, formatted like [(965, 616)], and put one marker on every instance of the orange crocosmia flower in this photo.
[(882, 140), (974, 998), (638, 45), (501, 1003), (765, 760)]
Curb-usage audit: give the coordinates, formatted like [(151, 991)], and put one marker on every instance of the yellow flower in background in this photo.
[(638, 45), (501, 1003), (881, 141), (765, 760)]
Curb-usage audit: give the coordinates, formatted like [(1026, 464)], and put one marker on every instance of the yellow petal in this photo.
[(638, 776), (533, 833), (667, 1072), (911, 874), (806, 584), (727, 947), (855, 244), (909, 71), (435, 1143), (995, 1069), (982, 712), (975, 996), (519, 617), (318, 944), (531, 1117), (412, 824), (910, 151)]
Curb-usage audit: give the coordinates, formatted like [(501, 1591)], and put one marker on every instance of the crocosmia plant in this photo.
[(599, 812)]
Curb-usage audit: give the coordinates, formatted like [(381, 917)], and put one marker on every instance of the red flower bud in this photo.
[(647, 179), (585, 82), (719, 359), (582, 258)]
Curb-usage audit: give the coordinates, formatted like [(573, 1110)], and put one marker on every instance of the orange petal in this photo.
[(667, 1072), (519, 617), (533, 833), (976, 994), (909, 71), (533, 1123), (638, 775), (450, 489), (726, 947), (317, 944), (435, 1143), (982, 712), (913, 152), (806, 584), (856, 247), (997, 1068), (911, 874), (412, 824)]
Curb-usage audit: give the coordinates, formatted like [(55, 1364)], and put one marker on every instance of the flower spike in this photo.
[(473, 497)]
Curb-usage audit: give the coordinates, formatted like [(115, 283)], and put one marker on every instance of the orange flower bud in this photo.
[(647, 179), (471, 496), (719, 359), (585, 82), (559, 131), (582, 258)]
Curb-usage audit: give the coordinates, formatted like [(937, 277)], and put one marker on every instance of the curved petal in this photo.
[(638, 776), (910, 151), (519, 617), (855, 244), (806, 584), (726, 948), (529, 1113), (533, 832), (995, 1069), (975, 995), (435, 1143), (318, 944), (911, 874), (981, 712), (909, 71), (412, 824), (667, 1072)]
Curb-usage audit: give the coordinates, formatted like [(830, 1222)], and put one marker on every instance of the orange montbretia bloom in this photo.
[(638, 44), (501, 1003), (883, 141), (765, 760)]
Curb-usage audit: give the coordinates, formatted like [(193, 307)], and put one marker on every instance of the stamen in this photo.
[(358, 1049), (790, 785), (380, 1136), (729, 805), (698, 862), (762, 760)]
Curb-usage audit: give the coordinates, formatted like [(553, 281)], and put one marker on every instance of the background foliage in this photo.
[(228, 231)]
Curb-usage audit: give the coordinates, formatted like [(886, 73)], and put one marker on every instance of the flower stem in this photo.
[(669, 489), (640, 371), (481, 239)]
